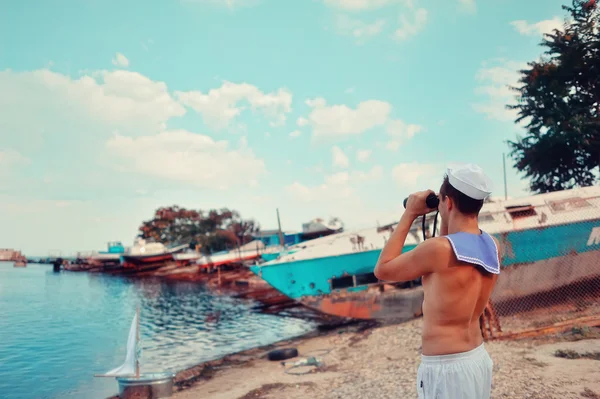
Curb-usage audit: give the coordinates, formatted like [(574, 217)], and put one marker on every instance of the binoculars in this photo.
[(432, 201)]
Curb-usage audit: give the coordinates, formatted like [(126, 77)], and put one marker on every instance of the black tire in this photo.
[(283, 354)]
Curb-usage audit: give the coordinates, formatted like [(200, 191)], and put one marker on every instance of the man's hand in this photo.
[(417, 205)]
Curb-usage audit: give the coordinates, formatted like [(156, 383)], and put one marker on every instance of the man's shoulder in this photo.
[(436, 244), (438, 249)]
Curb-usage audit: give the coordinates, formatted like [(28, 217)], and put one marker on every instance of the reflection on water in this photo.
[(58, 329)]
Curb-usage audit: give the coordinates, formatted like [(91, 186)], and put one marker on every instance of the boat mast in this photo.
[(137, 338), (281, 242)]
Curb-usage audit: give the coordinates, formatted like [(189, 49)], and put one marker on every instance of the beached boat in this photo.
[(111, 258), (244, 253), (149, 254), (539, 234), (319, 228), (278, 242), (133, 384)]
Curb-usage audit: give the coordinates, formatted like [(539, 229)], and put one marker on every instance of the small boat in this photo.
[(244, 253), (148, 255), (539, 233), (319, 228), (279, 243), (133, 384), (109, 259)]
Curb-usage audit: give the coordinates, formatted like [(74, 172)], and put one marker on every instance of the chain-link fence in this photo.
[(550, 262)]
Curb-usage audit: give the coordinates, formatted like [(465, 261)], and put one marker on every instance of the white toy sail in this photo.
[(130, 368)]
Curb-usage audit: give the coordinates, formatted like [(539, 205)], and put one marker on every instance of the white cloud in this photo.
[(376, 173), (339, 157), (10, 157), (120, 60), (337, 179), (220, 106), (468, 5), (341, 120), (349, 90), (494, 81), (318, 193), (358, 5), (538, 28), (182, 156), (295, 133), (40, 104), (408, 28), (400, 131), (302, 122), (363, 155), (359, 30), (318, 102), (413, 173), (341, 185), (356, 176)]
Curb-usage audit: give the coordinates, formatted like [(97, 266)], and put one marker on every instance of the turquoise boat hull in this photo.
[(543, 256)]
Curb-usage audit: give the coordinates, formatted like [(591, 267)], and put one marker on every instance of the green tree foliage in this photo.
[(215, 230), (559, 99)]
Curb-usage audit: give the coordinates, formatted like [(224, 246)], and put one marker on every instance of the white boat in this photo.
[(549, 240), (246, 252), (133, 384), (319, 226)]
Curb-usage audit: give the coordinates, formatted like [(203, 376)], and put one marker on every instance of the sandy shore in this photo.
[(382, 362)]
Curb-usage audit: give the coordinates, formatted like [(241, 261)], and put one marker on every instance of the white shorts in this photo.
[(465, 375)]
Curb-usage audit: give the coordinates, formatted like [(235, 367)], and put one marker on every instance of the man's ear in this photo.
[(450, 203)]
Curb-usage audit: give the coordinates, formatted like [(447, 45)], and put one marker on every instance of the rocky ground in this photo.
[(382, 363)]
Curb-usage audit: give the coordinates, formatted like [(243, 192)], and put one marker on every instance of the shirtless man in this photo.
[(459, 270)]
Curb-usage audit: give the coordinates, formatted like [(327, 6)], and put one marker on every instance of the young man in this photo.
[(459, 270)]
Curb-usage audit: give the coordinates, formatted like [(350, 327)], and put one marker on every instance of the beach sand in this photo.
[(382, 362)]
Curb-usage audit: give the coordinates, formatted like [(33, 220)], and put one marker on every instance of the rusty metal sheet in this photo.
[(392, 303)]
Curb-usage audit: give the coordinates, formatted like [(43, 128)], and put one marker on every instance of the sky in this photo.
[(320, 108)]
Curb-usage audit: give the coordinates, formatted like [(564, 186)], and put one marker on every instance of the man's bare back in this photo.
[(455, 298), (458, 270)]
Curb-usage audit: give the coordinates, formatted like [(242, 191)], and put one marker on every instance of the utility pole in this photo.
[(281, 242), (504, 167)]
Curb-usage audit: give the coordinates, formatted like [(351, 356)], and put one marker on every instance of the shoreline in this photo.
[(360, 362), (188, 378), (371, 359)]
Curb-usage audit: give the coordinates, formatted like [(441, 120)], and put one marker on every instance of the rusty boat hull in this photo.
[(550, 241), (376, 302)]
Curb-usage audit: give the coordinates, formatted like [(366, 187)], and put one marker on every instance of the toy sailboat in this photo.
[(131, 383)]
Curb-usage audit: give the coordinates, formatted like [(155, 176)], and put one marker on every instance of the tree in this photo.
[(559, 98), (215, 230)]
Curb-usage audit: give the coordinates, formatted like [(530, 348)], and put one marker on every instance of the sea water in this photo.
[(58, 329)]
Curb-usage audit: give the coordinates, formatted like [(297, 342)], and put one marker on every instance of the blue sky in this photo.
[(321, 108)]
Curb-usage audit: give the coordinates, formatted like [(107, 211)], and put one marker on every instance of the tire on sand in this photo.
[(283, 354)]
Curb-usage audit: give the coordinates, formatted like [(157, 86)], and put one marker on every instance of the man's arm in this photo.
[(427, 257), (393, 247), (393, 265)]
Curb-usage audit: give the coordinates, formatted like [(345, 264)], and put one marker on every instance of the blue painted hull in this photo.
[(272, 256), (545, 246), (312, 277)]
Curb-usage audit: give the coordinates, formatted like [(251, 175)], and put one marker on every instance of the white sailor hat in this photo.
[(470, 180)]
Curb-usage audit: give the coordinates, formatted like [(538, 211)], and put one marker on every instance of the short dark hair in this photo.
[(465, 204)]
